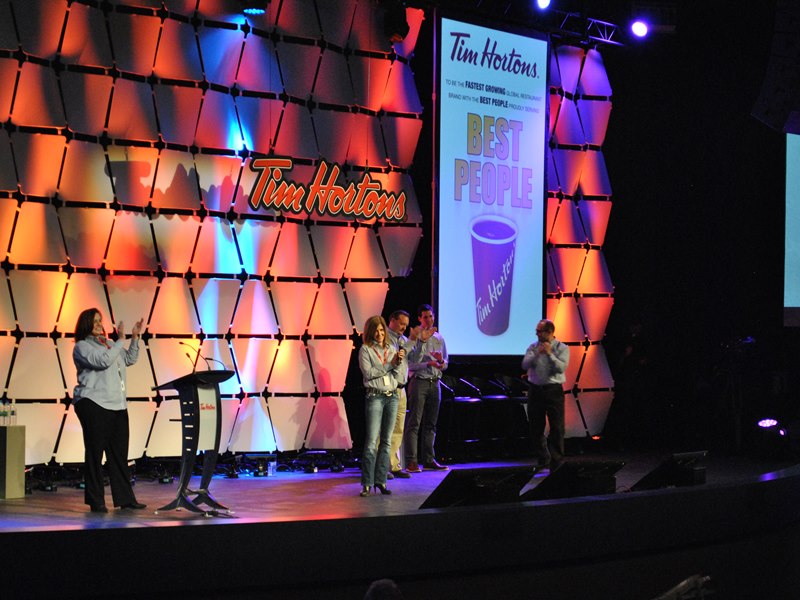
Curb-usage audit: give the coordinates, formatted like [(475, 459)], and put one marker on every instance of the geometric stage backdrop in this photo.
[(129, 129)]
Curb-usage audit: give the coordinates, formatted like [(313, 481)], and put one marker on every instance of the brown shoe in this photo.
[(400, 474), (413, 468), (435, 466)]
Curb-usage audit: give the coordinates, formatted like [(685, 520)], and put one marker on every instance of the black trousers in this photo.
[(547, 402), (105, 431)]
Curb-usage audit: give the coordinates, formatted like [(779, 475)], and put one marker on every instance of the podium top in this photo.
[(196, 378)]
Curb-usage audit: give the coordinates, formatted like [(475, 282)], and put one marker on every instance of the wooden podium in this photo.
[(201, 424)]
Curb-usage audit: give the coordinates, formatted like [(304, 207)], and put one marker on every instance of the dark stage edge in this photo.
[(301, 535)]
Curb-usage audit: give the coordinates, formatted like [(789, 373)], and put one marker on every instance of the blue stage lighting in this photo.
[(542, 4), (639, 28)]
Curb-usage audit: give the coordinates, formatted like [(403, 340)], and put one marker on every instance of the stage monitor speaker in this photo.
[(681, 469), (577, 478), (471, 487)]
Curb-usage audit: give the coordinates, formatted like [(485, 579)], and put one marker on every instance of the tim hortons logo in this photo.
[(366, 199)]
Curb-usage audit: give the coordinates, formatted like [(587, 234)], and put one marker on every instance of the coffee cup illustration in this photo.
[(494, 240)]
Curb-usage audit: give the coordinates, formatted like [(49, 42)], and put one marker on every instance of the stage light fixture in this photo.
[(254, 7), (639, 28), (542, 4)]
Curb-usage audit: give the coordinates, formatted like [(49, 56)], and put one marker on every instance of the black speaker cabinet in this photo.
[(470, 487), (577, 478), (678, 470)]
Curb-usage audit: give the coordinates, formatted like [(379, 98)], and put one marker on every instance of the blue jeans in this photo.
[(381, 412), (424, 397)]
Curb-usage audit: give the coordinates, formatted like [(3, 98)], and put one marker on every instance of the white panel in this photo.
[(8, 207), (166, 436), (215, 300), (84, 158), (37, 296), (291, 373), (220, 50), (64, 347), (176, 181), (399, 247), (570, 60), (332, 247), (35, 154), (131, 230), (330, 316), (133, 170), (216, 251), (42, 423), (293, 255), (139, 375), (70, 444), (296, 135), (254, 358), (140, 418), (293, 302), (254, 313), (7, 320), (330, 360), (6, 351), (36, 374), (86, 232), (84, 290), (253, 429), (329, 428), (218, 177), (37, 236), (131, 297), (334, 86), (174, 311), (170, 360), (256, 241), (175, 238), (230, 409), (219, 350), (595, 407), (594, 79), (595, 373), (290, 417), (365, 299), (366, 260)]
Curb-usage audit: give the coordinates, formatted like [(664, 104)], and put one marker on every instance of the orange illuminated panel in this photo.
[(254, 358), (332, 246), (370, 76), (8, 214), (177, 56), (296, 134), (218, 176), (85, 38), (220, 49), (555, 106), (166, 436), (241, 203), (595, 407), (290, 418), (595, 312), (178, 109), (7, 320), (329, 361), (330, 316), (564, 314), (37, 237), (84, 290), (569, 165), (566, 225), (42, 422), (86, 98), (367, 32), (333, 85), (567, 263), (595, 215), (70, 443), (134, 39), (336, 18), (366, 142), (293, 255), (576, 357), (131, 231), (570, 62), (594, 79), (218, 126), (219, 350), (594, 177), (133, 170), (259, 119), (595, 373), (397, 182), (253, 429), (293, 301), (401, 91), (552, 284), (36, 374), (216, 250), (399, 247), (64, 348), (176, 181), (366, 260), (414, 19), (38, 159), (40, 30), (84, 177), (256, 240), (6, 352), (175, 239), (594, 115), (131, 297), (215, 299), (299, 18), (174, 311), (573, 423), (401, 135), (569, 130), (329, 427), (365, 300), (595, 278), (298, 64), (259, 71), (132, 113), (333, 132), (254, 313), (8, 78), (172, 358), (291, 373)]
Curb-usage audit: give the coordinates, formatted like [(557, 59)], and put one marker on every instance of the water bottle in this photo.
[(12, 420)]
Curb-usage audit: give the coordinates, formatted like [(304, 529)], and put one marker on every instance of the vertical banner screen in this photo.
[(791, 277), (492, 88)]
